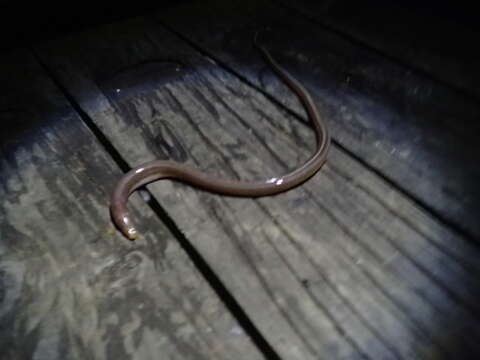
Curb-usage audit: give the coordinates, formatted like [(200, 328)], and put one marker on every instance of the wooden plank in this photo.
[(427, 41), (342, 267), (70, 286), (420, 135)]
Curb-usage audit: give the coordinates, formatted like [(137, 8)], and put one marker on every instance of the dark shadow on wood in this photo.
[(441, 33), (22, 25)]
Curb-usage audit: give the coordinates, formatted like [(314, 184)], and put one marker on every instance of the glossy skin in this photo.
[(162, 169)]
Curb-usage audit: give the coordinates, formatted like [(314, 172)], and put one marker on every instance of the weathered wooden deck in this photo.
[(376, 257)]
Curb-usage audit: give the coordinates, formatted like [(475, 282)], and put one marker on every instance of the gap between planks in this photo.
[(207, 272), (452, 225), (171, 94)]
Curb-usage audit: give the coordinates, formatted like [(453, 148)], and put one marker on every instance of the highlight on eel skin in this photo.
[(162, 169)]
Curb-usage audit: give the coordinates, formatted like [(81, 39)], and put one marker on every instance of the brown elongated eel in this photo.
[(163, 169)]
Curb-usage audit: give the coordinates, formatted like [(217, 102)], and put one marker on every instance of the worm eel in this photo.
[(162, 169)]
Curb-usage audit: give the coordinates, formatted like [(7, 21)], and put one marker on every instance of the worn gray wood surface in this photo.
[(344, 266), (418, 133), (71, 287)]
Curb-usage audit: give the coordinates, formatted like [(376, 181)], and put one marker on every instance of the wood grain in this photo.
[(416, 132), (71, 287), (343, 267)]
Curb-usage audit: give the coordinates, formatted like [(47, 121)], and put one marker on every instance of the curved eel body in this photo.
[(162, 169)]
